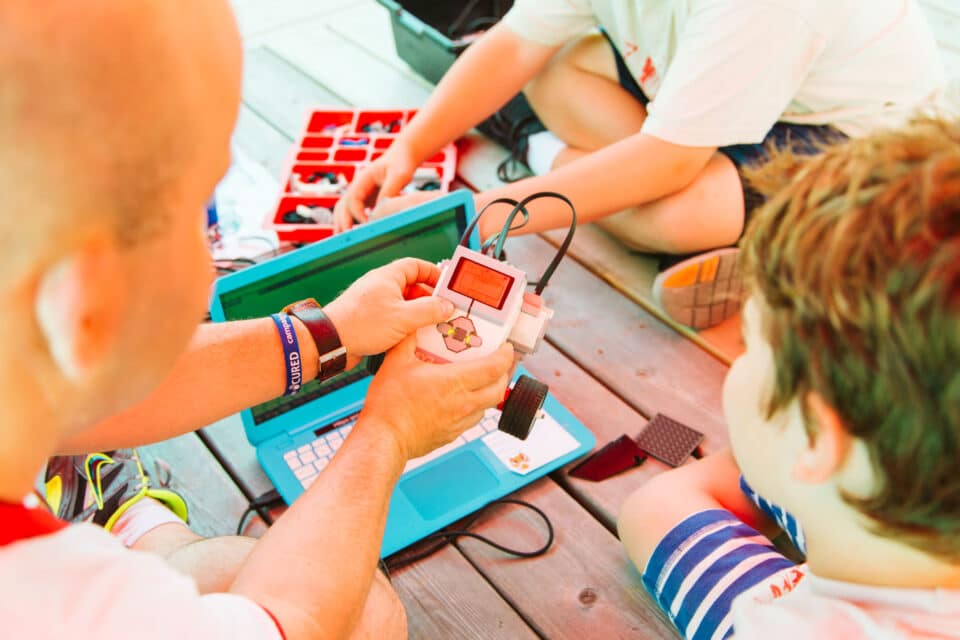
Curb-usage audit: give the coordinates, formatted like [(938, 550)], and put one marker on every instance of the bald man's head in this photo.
[(104, 106), (115, 122)]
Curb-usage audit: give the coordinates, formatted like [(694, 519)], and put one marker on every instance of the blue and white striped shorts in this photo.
[(710, 558)]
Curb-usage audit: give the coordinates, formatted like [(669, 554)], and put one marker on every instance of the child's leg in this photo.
[(595, 110), (213, 563), (598, 109), (707, 214), (695, 537)]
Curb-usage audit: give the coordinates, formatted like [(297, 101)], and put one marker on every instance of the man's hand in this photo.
[(427, 405), (381, 308), (385, 177)]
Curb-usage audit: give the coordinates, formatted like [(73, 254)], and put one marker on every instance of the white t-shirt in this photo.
[(814, 607), (722, 72), (82, 583)]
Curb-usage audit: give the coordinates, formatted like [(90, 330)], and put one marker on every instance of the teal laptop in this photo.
[(295, 437)]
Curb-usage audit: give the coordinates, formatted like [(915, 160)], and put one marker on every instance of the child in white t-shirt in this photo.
[(844, 413), (651, 119)]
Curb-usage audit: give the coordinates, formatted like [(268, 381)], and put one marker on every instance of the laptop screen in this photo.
[(433, 238)]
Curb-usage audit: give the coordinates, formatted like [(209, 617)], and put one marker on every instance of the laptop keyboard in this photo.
[(306, 462)]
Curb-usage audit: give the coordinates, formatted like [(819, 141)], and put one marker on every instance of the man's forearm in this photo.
[(487, 75), (634, 171), (227, 367), (314, 567)]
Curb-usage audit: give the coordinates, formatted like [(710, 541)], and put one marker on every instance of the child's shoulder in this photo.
[(807, 606)]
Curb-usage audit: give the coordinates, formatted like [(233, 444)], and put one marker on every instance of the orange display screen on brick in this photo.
[(481, 283)]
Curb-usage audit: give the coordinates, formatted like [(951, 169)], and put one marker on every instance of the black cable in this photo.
[(443, 538), (562, 250), (480, 23), (520, 207), (456, 22), (440, 539), (261, 503), (465, 238)]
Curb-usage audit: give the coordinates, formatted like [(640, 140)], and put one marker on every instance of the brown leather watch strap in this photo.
[(333, 356)]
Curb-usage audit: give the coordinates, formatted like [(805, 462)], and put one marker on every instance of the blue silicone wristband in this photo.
[(291, 352)]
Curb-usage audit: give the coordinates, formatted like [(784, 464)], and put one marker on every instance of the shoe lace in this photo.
[(162, 472), (93, 467)]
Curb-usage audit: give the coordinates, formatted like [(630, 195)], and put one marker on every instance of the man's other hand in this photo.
[(385, 177), (381, 308), (427, 405)]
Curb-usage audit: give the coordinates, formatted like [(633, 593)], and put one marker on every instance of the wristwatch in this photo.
[(333, 355)]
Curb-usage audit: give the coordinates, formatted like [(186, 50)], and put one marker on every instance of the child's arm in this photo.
[(665, 501), (229, 366), (699, 543), (486, 76), (637, 170)]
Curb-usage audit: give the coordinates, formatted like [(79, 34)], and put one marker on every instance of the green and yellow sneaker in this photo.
[(100, 487)]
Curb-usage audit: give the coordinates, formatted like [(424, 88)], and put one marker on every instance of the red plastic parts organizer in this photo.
[(335, 145)]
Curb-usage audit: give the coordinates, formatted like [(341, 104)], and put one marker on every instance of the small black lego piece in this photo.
[(316, 176), (292, 217), (669, 441), (377, 126)]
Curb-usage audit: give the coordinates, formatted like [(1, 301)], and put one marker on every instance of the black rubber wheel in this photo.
[(522, 408), (374, 363)]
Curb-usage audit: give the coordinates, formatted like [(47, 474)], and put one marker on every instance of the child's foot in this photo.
[(703, 290), (100, 487), (511, 126)]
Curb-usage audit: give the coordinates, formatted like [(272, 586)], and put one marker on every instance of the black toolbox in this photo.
[(430, 34)]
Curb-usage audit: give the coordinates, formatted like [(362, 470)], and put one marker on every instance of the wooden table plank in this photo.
[(608, 417), (584, 587), (262, 142), (585, 555), (367, 26), (257, 18), (632, 274), (214, 501), (604, 502), (651, 367), (365, 81), (629, 272), (446, 598), (280, 93)]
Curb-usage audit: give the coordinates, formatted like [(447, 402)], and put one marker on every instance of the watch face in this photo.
[(308, 303), (481, 283)]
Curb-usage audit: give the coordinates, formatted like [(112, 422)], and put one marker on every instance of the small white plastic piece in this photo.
[(320, 215), (529, 330), (320, 188), (426, 174)]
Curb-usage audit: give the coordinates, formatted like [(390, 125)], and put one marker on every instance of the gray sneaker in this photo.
[(703, 290), (100, 487)]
